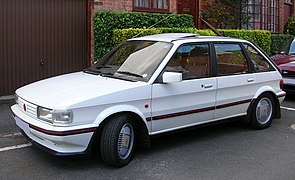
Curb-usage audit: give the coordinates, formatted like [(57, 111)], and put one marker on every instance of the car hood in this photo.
[(283, 58), (288, 66), (285, 62), (67, 90)]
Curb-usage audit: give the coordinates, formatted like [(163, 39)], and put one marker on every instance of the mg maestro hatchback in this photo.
[(147, 86)]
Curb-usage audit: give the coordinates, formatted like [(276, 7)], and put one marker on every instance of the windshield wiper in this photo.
[(129, 73), (102, 66), (110, 75), (106, 74), (91, 71)]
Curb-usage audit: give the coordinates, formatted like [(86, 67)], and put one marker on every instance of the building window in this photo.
[(263, 14), (151, 5)]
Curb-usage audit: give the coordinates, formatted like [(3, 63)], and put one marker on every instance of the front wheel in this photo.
[(262, 112), (118, 141)]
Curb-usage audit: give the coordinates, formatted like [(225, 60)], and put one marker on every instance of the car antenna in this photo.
[(154, 25), (211, 27)]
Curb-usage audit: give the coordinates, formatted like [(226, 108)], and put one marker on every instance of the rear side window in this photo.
[(230, 59), (260, 63)]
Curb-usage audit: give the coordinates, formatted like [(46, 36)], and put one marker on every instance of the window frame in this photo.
[(151, 8)]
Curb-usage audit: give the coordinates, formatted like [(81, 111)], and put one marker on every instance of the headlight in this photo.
[(55, 116), (62, 117)]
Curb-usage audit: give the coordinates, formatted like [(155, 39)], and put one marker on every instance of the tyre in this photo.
[(118, 141), (263, 112)]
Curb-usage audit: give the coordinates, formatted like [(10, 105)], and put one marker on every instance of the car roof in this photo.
[(170, 37)]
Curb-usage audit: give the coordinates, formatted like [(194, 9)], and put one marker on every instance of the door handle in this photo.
[(250, 79), (207, 86)]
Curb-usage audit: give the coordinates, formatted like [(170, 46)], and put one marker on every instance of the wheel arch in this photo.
[(139, 120), (260, 92)]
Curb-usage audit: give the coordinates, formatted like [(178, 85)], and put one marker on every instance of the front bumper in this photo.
[(58, 140)]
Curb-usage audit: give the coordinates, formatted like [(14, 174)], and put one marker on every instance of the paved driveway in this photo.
[(225, 151)]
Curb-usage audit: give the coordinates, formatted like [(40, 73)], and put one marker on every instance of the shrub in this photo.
[(290, 26), (277, 40), (121, 35), (202, 32), (224, 14), (106, 21), (261, 37)]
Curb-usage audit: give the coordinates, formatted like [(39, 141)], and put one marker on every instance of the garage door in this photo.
[(40, 39)]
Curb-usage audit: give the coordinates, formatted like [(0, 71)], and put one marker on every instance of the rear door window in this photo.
[(230, 59)]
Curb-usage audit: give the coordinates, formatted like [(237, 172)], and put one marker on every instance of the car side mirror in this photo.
[(172, 77)]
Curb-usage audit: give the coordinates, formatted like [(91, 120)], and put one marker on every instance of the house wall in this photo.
[(281, 16), (112, 5)]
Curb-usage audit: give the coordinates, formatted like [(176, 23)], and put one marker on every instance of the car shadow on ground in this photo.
[(159, 144), (290, 97)]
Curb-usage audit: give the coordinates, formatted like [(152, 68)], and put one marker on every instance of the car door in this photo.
[(235, 79), (191, 101)]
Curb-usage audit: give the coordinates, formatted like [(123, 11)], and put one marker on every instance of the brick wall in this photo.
[(113, 5), (281, 15), (173, 6)]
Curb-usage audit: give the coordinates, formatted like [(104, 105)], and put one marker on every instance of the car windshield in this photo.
[(288, 47), (292, 47), (132, 60)]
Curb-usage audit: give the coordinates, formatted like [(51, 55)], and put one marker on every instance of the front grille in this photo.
[(27, 107)]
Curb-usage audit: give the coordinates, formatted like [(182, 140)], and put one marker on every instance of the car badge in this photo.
[(25, 108)]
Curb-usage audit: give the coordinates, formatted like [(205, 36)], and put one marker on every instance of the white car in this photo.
[(148, 86)]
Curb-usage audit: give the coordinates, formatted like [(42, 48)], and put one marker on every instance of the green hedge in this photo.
[(121, 35), (107, 21), (277, 40), (290, 26), (261, 37)]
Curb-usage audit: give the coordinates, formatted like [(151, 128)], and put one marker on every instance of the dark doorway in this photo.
[(189, 7)]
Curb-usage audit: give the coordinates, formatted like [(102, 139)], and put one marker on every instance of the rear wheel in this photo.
[(118, 141), (262, 112)]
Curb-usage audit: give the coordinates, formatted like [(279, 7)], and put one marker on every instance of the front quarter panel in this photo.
[(145, 113)]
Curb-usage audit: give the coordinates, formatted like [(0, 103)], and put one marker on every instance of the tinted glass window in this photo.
[(192, 60), (259, 62), (230, 59)]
